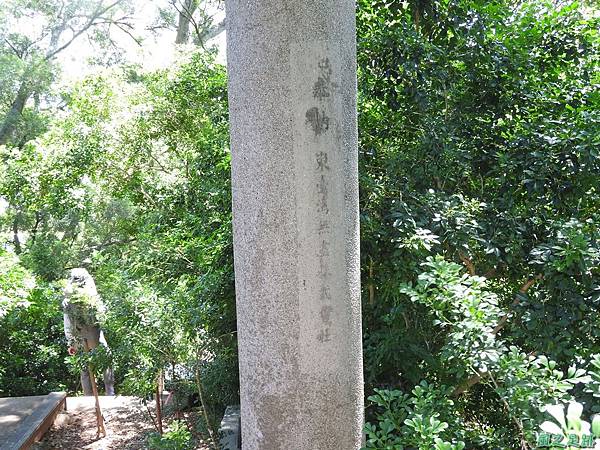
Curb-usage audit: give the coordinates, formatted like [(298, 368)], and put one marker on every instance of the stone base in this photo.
[(230, 430)]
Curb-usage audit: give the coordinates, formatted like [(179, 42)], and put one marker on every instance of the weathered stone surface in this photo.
[(292, 99)]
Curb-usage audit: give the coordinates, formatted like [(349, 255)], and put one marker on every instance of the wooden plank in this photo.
[(24, 420)]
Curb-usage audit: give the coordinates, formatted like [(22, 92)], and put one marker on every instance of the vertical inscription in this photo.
[(319, 121), (319, 163)]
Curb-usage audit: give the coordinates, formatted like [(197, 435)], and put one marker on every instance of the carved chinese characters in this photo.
[(320, 212)]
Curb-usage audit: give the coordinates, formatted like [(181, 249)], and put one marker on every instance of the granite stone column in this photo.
[(292, 100)]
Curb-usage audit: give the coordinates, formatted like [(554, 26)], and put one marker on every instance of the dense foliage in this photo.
[(479, 144), (32, 343), (479, 160)]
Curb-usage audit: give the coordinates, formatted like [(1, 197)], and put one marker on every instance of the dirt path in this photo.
[(127, 425)]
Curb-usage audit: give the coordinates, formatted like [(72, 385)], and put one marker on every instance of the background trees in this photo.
[(33, 35), (133, 183), (479, 137)]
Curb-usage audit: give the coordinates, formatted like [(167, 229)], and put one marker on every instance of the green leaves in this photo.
[(478, 154), (32, 343), (441, 445), (178, 437), (16, 283), (596, 425), (411, 421), (462, 305)]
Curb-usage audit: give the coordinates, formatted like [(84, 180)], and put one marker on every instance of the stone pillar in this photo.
[(292, 100)]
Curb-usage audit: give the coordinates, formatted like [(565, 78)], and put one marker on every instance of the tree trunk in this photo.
[(159, 406), (100, 430), (185, 16), (78, 327), (36, 225), (16, 240), (86, 383), (292, 98), (14, 113)]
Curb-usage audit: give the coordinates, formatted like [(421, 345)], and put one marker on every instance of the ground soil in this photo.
[(127, 421)]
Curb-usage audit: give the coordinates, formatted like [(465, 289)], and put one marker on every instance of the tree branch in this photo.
[(468, 263), (214, 31), (516, 301), (90, 23), (16, 52)]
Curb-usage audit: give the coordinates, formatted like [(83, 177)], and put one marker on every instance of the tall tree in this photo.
[(33, 35)]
